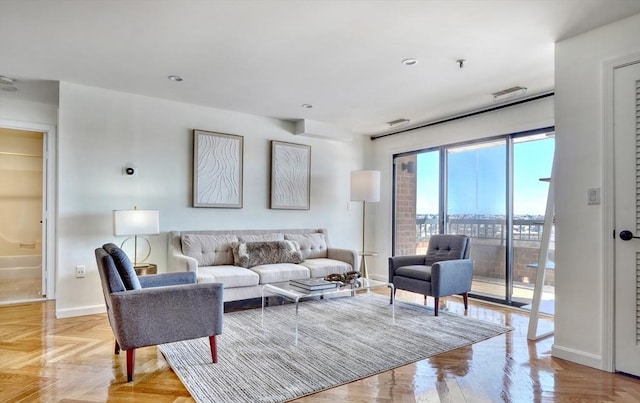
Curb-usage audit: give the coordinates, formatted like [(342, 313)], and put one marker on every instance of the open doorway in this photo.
[(24, 234)]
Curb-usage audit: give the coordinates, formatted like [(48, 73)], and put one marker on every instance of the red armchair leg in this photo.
[(436, 306), (131, 360), (117, 349), (465, 298), (214, 348)]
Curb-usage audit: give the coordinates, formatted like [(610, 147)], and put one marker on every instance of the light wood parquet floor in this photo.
[(43, 359)]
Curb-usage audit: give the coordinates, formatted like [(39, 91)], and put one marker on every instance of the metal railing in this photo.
[(524, 229)]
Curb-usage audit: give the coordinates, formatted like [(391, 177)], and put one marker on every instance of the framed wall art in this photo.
[(217, 169), (290, 176)]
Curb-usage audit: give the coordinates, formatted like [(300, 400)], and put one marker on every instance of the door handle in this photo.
[(627, 235)]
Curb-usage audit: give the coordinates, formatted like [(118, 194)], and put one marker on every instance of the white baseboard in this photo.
[(577, 356), (80, 311)]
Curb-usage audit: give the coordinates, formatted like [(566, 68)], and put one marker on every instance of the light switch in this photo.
[(593, 196)]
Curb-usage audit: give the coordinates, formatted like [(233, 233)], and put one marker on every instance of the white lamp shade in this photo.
[(365, 186), (136, 222)]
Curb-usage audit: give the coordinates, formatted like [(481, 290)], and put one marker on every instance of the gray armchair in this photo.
[(156, 309), (444, 270)]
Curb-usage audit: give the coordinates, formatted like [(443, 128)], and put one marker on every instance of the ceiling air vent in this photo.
[(509, 93)]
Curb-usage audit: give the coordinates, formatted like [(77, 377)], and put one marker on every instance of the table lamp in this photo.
[(135, 223)]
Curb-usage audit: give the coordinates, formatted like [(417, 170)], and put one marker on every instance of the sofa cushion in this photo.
[(209, 250), (230, 276), (419, 272), (322, 267), (261, 237), (249, 254), (312, 245), (280, 272), (124, 266)]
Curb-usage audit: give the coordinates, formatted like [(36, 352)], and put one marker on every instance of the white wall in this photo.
[(28, 112), (527, 116), (101, 130), (580, 324)]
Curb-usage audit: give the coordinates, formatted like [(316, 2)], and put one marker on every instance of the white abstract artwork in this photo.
[(217, 169), (290, 176)]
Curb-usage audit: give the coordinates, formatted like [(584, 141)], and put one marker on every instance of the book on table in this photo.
[(312, 284)]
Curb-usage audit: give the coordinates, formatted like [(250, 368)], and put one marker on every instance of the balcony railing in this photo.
[(524, 229)]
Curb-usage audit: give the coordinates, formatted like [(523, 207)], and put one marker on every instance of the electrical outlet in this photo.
[(80, 271)]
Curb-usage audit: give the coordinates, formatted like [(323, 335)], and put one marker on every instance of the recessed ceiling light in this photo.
[(409, 62), (175, 78), (307, 106)]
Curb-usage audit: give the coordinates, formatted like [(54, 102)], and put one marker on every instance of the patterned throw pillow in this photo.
[(249, 254)]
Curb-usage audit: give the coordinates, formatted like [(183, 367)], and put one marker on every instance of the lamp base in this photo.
[(134, 257), (143, 269)]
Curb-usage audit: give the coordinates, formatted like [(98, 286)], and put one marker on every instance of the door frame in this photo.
[(608, 211), (49, 193)]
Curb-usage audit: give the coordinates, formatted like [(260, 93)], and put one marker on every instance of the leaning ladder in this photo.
[(543, 259)]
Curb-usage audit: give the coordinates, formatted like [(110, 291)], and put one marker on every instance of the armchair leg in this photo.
[(392, 296), (117, 349), (214, 348), (131, 360), (436, 306), (425, 300), (465, 298)]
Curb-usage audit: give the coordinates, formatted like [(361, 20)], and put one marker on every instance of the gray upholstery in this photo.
[(444, 270), (168, 307)]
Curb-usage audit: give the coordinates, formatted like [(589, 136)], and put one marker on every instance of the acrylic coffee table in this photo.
[(295, 295)]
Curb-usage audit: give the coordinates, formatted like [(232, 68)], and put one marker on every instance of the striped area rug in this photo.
[(339, 340)]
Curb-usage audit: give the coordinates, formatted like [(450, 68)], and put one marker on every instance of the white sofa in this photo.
[(301, 253)]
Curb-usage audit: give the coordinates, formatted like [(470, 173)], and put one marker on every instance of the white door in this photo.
[(626, 104)]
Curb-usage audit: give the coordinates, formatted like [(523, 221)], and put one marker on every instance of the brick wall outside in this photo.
[(406, 205)]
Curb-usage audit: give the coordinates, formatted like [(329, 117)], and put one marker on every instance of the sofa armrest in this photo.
[(176, 260), (166, 279), (344, 255), (450, 277), (159, 315), (399, 261)]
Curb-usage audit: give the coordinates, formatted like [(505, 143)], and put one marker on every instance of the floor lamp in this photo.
[(136, 223), (365, 187)]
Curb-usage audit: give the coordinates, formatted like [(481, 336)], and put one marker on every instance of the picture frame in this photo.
[(290, 176), (217, 169)]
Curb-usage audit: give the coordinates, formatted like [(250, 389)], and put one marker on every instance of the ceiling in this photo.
[(269, 57)]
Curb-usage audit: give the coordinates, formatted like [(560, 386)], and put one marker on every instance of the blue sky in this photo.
[(477, 179)]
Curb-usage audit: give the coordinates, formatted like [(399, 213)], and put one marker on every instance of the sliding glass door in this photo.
[(476, 207), (495, 192), (418, 201), (532, 163)]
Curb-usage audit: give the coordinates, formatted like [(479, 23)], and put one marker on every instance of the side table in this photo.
[(146, 268), (363, 262)]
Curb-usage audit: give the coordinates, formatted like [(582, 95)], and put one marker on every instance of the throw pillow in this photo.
[(249, 254), (312, 245), (124, 267)]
